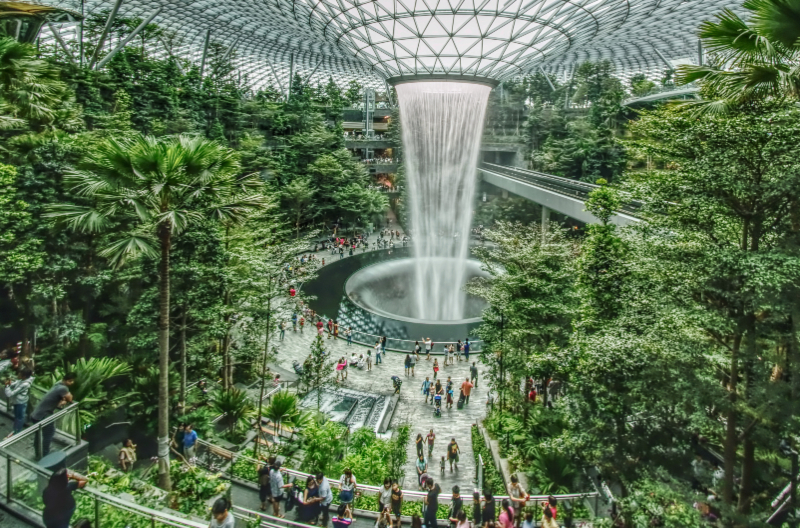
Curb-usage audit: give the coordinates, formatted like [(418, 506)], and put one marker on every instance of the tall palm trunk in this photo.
[(263, 381), (731, 438), (184, 312), (165, 236)]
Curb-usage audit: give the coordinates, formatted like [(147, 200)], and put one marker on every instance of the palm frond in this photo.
[(777, 20), (131, 246), (78, 218)]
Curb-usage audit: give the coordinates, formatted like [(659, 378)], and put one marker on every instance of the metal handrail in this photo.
[(72, 407), (104, 498), (367, 488)]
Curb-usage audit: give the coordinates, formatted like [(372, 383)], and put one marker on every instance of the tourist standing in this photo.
[(378, 352), (453, 451), (473, 375), (420, 445), (435, 367), (58, 396), (431, 503), (518, 496), (488, 508), (282, 328), (330, 328), (294, 322), (349, 335), (369, 360), (407, 364), (17, 393), (385, 494), (264, 493), (431, 439), (413, 362), (466, 349), (426, 388), (466, 388), (456, 507), (383, 345), (347, 487), (127, 455), (422, 467), (336, 329), (59, 504), (277, 486), (459, 348), (506, 518), (220, 516), (397, 502), (428, 345), (309, 511), (327, 497), (320, 327), (189, 443)]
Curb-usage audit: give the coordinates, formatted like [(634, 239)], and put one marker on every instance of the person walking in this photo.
[(473, 375), (341, 252), (459, 348), (59, 504), (453, 452), (18, 393), (330, 328), (383, 345), (327, 498), (282, 328), (378, 352), (320, 328), (466, 349), (349, 335), (420, 445), (428, 345), (413, 363), (336, 329), (466, 388), (58, 396), (294, 322), (422, 467), (435, 368), (431, 437), (426, 388), (302, 323), (407, 364)]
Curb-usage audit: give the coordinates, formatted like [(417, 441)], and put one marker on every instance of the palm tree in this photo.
[(283, 411), (237, 407), (30, 90), (755, 59), (159, 187)]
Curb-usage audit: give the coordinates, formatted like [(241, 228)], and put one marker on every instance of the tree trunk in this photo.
[(263, 383), (163, 360), (183, 359), (731, 438), (748, 469)]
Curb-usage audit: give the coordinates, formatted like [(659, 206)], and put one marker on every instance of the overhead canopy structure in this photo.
[(381, 39)]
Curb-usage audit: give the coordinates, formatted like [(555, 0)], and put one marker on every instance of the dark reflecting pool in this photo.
[(381, 284)]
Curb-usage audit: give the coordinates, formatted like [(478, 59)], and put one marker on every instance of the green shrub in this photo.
[(491, 477)]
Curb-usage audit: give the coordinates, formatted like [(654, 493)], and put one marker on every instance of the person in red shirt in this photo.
[(532, 395), (466, 387)]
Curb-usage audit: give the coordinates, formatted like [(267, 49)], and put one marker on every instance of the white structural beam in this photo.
[(127, 39)]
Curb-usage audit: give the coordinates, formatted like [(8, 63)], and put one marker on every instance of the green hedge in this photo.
[(491, 476)]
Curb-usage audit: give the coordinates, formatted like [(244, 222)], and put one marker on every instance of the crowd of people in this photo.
[(314, 501)]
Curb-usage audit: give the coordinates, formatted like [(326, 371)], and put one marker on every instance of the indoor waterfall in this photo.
[(442, 124)]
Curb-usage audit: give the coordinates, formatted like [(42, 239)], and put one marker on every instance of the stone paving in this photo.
[(411, 408)]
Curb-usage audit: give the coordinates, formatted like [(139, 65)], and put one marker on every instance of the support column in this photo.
[(102, 40), (699, 52), (205, 54), (545, 220), (130, 37)]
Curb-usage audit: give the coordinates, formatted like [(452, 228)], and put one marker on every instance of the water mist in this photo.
[(442, 125)]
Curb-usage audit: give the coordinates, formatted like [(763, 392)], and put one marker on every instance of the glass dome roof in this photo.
[(498, 39)]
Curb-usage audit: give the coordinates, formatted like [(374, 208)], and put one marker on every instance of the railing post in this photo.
[(77, 427), (39, 442), (96, 512), (8, 479)]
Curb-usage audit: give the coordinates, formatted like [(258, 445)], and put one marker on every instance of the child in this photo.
[(369, 360), (528, 523), (302, 323), (441, 465)]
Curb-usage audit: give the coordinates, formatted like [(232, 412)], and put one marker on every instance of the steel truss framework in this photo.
[(371, 40)]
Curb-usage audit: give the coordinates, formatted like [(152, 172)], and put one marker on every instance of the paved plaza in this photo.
[(411, 408)]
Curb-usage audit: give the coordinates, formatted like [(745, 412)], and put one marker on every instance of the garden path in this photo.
[(411, 408)]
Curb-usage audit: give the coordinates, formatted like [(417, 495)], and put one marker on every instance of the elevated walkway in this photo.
[(562, 195), (684, 92)]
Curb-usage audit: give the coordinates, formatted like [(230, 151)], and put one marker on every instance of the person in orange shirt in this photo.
[(466, 387)]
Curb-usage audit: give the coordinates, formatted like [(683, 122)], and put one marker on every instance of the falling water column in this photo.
[(442, 124)]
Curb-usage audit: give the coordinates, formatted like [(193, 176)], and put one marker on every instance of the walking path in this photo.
[(411, 408)]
